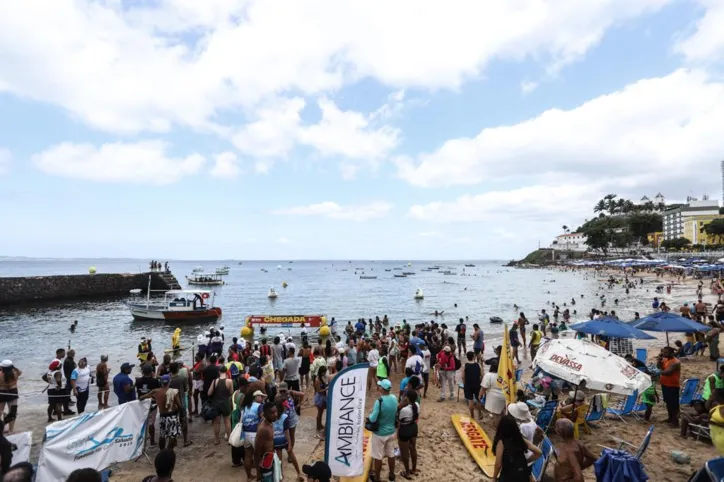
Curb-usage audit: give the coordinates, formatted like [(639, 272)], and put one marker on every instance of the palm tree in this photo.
[(565, 229), (620, 204), (600, 206), (610, 203)]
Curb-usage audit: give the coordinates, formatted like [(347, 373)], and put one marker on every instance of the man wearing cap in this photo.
[(446, 370), (123, 385), (317, 472), (145, 385), (169, 404), (382, 443)]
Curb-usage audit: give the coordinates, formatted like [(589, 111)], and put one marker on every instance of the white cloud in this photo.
[(5, 158), (652, 131), (526, 87), (143, 162), (541, 204), (275, 130), (706, 43), (282, 240), (332, 210), (226, 166), (145, 66)]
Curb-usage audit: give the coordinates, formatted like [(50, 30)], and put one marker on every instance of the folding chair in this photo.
[(700, 431), (545, 415), (640, 450), (626, 407), (538, 469), (641, 354), (594, 415), (580, 420), (688, 391)]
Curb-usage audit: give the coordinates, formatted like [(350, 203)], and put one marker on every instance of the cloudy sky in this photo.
[(275, 129)]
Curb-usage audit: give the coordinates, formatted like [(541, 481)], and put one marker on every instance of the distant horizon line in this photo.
[(407, 260)]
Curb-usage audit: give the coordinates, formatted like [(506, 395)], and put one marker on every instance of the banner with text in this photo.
[(343, 449), (96, 440), (23, 440)]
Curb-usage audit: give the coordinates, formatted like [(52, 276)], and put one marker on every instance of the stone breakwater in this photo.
[(19, 290)]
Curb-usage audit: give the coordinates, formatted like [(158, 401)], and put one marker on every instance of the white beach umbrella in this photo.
[(588, 365)]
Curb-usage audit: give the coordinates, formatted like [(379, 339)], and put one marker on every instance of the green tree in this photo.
[(715, 229), (675, 244), (600, 206), (610, 203), (641, 224)]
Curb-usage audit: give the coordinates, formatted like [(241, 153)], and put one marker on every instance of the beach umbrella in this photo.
[(610, 326), (588, 365), (506, 370), (668, 322)]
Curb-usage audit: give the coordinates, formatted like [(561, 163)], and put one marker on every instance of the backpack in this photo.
[(234, 370), (265, 351)]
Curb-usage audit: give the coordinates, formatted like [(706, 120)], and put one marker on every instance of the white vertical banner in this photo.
[(346, 415), (95, 439), (23, 441)]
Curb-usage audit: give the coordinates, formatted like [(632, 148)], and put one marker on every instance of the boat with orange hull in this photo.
[(177, 306)]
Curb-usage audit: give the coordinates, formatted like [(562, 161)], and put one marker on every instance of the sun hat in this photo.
[(259, 393), (385, 384), (6, 364), (520, 411)]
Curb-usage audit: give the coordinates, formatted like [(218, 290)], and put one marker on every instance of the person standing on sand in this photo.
[(145, 385), (522, 321), (712, 338), (446, 371), (670, 380), (472, 377), (514, 342), (220, 393), (460, 330), (123, 385), (373, 358), (382, 443), (9, 392), (573, 456), (478, 342), (264, 444), (489, 389), (80, 379), (700, 308), (102, 373), (169, 404), (536, 337), (510, 448)]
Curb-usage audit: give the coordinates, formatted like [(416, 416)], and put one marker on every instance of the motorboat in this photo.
[(388, 270), (400, 276), (272, 294), (279, 266), (177, 305), (407, 273), (496, 319), (368, 277), (419, 295), (201, 279), (198, 269), (136, 291), (223, 270), (469, 265), (434, 267)]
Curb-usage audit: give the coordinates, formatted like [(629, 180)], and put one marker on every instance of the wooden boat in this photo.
[(177, 305), (201, 279), (469, 265), (368, 277), (400, 276), (407, 273)]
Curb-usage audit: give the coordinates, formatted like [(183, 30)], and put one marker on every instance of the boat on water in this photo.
[(198, 269), (407, 273), (136, 291), (388, 270), (469, 265), (223, 270), (435, 267), (419, 295), (400, 276), (449, 273), (201, 279), (496, 319), (177, 305), (368, 277), (272, 294), (397, 269)]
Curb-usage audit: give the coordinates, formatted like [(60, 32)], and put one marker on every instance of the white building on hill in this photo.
[(570, 242)]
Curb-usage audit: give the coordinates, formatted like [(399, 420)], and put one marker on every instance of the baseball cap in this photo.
[(284, 386), (385, 384), (165, 379), (318, 471), (127, 366), (259, 393)]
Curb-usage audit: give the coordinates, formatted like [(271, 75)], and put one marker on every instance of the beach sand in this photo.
[(441, 453)]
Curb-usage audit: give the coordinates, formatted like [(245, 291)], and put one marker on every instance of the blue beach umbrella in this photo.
[(610, 326), (668, 322)]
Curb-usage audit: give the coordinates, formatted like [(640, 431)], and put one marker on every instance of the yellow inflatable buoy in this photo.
[(247, 331), (284, 284), (324, 331), (176, 339), (92, 270)]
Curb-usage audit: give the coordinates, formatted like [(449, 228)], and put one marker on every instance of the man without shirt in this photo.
[(169, 404), (264, 444)]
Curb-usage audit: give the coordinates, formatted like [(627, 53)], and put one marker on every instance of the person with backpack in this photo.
[(381, 422), (446, 372)]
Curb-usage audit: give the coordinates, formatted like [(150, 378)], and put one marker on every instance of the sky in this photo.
[(346, 129)]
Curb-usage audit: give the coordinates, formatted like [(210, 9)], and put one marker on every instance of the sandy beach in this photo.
[(440, 449)]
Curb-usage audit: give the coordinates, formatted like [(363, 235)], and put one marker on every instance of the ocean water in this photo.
[(31, 334)]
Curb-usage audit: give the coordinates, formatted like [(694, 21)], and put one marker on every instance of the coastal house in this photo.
[(675, 218), (694, 229), (570, 242)]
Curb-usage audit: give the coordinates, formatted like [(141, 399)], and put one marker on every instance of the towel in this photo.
[(170, 396)]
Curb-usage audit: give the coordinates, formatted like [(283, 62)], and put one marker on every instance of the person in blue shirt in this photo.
[(403, 383), (360, 327), (382, 443), (415, 342), (123, 385)]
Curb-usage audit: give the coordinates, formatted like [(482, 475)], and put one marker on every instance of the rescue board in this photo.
[(367, 461), (171, 350), (476, 441)]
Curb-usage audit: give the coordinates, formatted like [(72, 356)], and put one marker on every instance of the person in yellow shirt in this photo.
[(536, 337), (716, 421)]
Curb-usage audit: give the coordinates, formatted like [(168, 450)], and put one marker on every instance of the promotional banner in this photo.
[(506, 370), (344, 442), (23, 440), (96, 440), (287, 321)]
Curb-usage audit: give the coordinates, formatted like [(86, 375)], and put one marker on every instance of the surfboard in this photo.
[(171, 350), (367, 461), (476, 441)]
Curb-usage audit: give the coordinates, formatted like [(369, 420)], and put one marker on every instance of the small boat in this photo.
[(407, 273), (397, 269), (496, 319), (419, 295), (136, 291), (289, 269), (400, 276), (223, 270), (177, 305), (279, 266), (198, 269), (469, 265), (265, 270), (201, 279), (368, 277), (272, 294), (388, 270), (434, 267)]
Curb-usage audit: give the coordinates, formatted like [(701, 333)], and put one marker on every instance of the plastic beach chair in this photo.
[(688, 391), (640, 450), (641, 354), (538, 469), (545, 415), (715, 468), (518, 374), (595, 416), (626, 407), (580, 421)]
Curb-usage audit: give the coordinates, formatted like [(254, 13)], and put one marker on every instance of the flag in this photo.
[(506, 370), (344, 440)]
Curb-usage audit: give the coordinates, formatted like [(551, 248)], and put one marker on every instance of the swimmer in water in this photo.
[(74, 326), (515, 307)]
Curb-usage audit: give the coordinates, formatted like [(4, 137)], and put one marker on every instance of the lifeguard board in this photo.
[(367, 458), (476, 441)]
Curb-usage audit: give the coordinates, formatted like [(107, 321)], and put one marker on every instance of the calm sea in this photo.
[(31, 334)]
